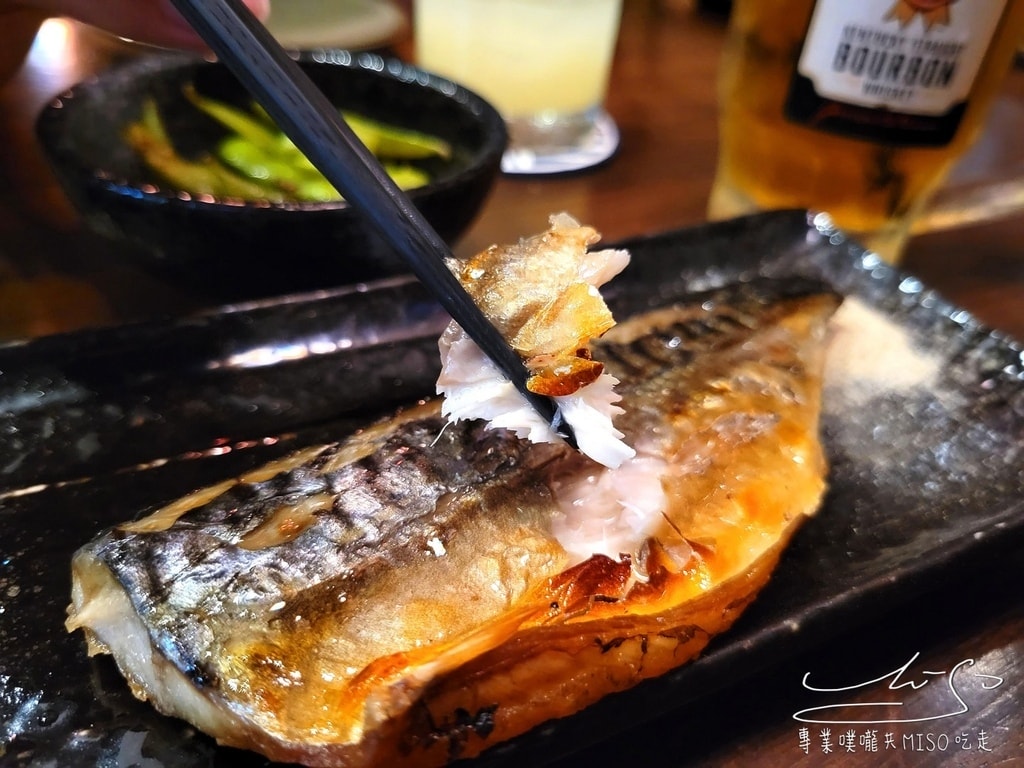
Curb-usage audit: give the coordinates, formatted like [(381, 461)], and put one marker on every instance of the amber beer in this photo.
[(855, 107)]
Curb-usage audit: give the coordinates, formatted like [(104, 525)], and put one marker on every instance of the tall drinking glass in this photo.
[(544, 64), (858, 108)]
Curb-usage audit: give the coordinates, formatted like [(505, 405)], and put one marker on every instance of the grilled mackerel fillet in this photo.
[(419, 592)]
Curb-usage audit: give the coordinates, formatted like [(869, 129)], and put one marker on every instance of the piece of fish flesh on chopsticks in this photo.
[(542, 294)]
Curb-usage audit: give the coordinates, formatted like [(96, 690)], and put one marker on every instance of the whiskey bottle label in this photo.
[(898, 71)]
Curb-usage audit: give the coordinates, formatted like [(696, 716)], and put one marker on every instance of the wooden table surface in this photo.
[(55, 276)]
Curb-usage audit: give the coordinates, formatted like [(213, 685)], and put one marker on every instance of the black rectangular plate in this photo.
[(97, 427)]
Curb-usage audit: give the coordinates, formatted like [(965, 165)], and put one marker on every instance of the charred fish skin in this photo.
[(342, 606), (379, 512)]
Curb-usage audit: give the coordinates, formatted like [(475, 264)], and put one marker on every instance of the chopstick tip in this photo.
[(563, 428)]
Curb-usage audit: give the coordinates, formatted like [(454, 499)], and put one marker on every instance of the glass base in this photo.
[(536, 147)]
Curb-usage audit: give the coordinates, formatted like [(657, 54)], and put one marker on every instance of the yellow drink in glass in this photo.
[(544, 64)]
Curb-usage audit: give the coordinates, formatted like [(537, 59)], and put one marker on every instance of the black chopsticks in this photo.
[(316, 127)]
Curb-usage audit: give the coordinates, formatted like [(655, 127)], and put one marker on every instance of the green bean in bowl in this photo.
[(257, 161), (168, 155)]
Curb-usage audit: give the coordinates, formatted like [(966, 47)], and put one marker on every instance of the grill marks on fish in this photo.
[(421, 483), (633, 358), (678, 342), (333, 600), (366, 507)]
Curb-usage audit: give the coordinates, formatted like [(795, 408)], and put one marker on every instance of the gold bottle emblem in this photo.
[(932, 12)]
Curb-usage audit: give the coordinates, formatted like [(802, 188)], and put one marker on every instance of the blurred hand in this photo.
[(150, 21)]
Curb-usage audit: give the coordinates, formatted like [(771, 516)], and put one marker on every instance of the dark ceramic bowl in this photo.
[(233, 249)]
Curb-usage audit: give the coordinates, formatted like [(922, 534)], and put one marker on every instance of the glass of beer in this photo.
[(857, 109), (544, 64)]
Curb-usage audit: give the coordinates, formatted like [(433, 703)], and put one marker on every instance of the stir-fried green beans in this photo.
[(256, 161)]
